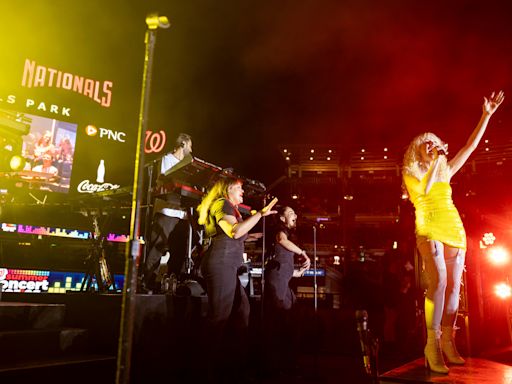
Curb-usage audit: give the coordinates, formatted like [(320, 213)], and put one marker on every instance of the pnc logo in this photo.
[(91, 130)]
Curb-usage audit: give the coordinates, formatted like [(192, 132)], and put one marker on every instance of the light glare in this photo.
[(503, 290), (498, 256)]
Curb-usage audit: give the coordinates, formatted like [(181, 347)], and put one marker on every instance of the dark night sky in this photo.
[(252, 75), (243, 77)]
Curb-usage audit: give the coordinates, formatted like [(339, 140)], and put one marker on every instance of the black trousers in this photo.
[(228, 319), (167, 234)]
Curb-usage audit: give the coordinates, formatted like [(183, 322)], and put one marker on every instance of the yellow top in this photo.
[(436, 215)]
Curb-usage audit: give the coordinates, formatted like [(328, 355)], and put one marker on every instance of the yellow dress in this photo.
[(436, 215)]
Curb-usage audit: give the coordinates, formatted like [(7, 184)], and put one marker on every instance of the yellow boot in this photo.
[(433, 354), (448, 346)]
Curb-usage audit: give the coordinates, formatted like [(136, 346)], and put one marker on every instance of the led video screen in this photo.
[(36, 152), (69, 101)]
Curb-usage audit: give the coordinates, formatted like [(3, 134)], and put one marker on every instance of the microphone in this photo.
[(362, 329), (154, 21), (442, 150)]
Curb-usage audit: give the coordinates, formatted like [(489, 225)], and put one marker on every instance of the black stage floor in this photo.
[(475, 371), (167, 344)]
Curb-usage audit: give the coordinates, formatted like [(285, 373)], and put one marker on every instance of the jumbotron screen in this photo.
[(36, 152), (69, 99), (59, 132)]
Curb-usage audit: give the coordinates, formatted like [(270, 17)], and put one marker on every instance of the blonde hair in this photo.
[(412, 156), (218, 191)]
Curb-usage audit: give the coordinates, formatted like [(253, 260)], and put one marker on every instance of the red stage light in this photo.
[(503, 290), (489, 238), (498, 256)]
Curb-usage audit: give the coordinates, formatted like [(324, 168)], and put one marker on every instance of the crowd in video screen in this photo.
[(36, 152)]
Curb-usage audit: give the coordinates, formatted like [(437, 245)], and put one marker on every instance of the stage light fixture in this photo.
[(295, 196), (498, 256), (155, 21), (488, 238), (503, 290), (17, 163)]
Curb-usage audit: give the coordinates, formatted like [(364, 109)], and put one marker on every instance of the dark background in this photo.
[(243, 77), (247, 78)]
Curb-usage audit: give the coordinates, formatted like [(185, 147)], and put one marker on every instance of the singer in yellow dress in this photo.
[(440, 235)]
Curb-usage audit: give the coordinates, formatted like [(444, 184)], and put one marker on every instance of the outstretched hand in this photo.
[(268, 209), (492, 103)]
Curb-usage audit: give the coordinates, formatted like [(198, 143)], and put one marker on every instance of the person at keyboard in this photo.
[(166, 216)]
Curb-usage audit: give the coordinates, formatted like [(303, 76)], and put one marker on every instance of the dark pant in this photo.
[(280, 339), (167, 234), (228, 319)]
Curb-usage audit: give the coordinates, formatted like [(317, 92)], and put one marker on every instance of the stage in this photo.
[(78, 332), (475, 371)]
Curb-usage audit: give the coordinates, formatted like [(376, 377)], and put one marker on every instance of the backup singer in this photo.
[(440, 235), (227, 300), (279, 299), (166, 215)]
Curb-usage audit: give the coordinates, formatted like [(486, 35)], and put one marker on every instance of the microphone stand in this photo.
[(150, 168), (315, 301), (369, 346), (315, 285), (133, 247), (262, 309), (263, 230)]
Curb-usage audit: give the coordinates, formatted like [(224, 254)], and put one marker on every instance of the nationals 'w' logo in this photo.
[(155, 141)]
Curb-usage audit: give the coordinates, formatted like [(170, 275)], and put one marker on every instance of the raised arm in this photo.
[(490, 106), (433, 174)]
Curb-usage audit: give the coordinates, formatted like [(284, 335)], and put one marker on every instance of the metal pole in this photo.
[(262, 294), (263, 250), (133, 247), (149, 210), (315, 285), (189, 262)]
